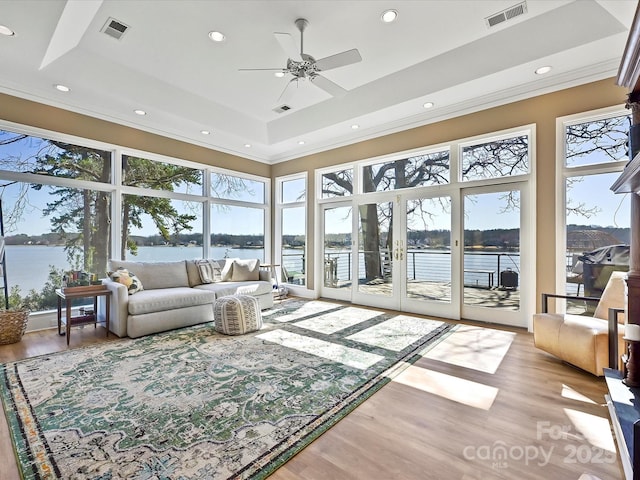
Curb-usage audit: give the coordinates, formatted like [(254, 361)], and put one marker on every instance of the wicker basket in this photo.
[(13, 323)]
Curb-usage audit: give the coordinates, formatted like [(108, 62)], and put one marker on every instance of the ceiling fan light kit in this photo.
[(303, 66)]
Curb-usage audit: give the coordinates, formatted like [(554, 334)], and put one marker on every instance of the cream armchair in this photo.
[(590, 343)]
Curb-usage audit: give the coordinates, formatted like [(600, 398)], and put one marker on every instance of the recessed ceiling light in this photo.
[(543, 70), (300, 142), (139, 112), (427, 104), (217, 36), (205, 132), (279, 74), (247, 145), (389, 16), (62, 88), (4, 30), (355, 126)]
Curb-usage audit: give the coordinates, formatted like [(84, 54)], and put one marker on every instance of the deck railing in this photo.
[(482, 269)]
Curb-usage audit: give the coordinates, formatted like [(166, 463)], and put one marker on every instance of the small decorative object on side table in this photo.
[(68, 294)]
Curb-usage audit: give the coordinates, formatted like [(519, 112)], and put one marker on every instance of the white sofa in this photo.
[(173, 296)]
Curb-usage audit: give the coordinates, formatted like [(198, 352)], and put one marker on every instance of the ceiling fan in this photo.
[(303, 66)]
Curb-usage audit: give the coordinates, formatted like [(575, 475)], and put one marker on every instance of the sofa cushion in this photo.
[(227, 268), (222, 289), (161, 274), (245, 270), (192, 273), (161, 299)]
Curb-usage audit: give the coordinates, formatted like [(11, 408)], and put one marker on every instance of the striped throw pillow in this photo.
[(210, 271)]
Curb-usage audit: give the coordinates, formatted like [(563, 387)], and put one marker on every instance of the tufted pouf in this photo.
[(237, 314)]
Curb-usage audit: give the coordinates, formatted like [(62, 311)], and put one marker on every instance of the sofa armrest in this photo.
[(547, 296), (119, 308), (265, 276)]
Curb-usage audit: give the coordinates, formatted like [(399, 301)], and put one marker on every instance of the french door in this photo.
[(453, 255)]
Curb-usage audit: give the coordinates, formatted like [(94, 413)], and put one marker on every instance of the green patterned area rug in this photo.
[(195, 404)]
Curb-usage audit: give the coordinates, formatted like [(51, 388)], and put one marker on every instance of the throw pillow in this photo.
[(227, 268), (245, 270), (210, 271), (128, 279)]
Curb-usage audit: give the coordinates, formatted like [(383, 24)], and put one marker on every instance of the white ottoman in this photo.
[(237, 314)]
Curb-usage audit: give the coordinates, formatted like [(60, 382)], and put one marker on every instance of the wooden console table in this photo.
[(68, 296)]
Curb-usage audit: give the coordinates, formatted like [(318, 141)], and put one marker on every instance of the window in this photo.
[(499, 158), (63, 218), (160, 229), (156, 175), (237, 232), (231, 187), (596, 219), (29, 154), (419, 171), (55, 222), (292, 228), (338, 183)]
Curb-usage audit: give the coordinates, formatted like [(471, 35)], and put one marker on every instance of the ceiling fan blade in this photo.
[(339, 60), (284, 70), (328, 86), (288, 45), (288, 91)]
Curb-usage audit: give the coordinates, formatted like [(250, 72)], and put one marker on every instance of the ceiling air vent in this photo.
[(282, 108), (114, 28), (508, 14)]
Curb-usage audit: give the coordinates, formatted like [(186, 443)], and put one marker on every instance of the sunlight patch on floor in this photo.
[(473, 347), (335, 321), (306, 309), (331, 351), (570, 393), (453, 388), (397, 333), (594, 429)]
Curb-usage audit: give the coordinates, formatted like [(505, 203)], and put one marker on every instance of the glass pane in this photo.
[(294, 190), (237, 232), (374, 249), (24, 153), (337, 247), (597, 219), (599, 141), (429, 249), (337, 184), (418, 171), (492, 250), (49, 231), (230, 187), (501, 158), (293, 244), (144, 173), (160, 230)]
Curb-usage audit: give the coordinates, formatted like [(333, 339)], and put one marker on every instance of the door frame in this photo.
[(522, 316)]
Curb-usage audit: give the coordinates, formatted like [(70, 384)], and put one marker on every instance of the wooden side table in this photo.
[(68, 296)]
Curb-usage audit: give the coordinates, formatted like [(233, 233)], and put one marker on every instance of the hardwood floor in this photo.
[(449, 416)]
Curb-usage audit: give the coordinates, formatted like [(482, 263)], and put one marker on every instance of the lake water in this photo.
[(28, 265)]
